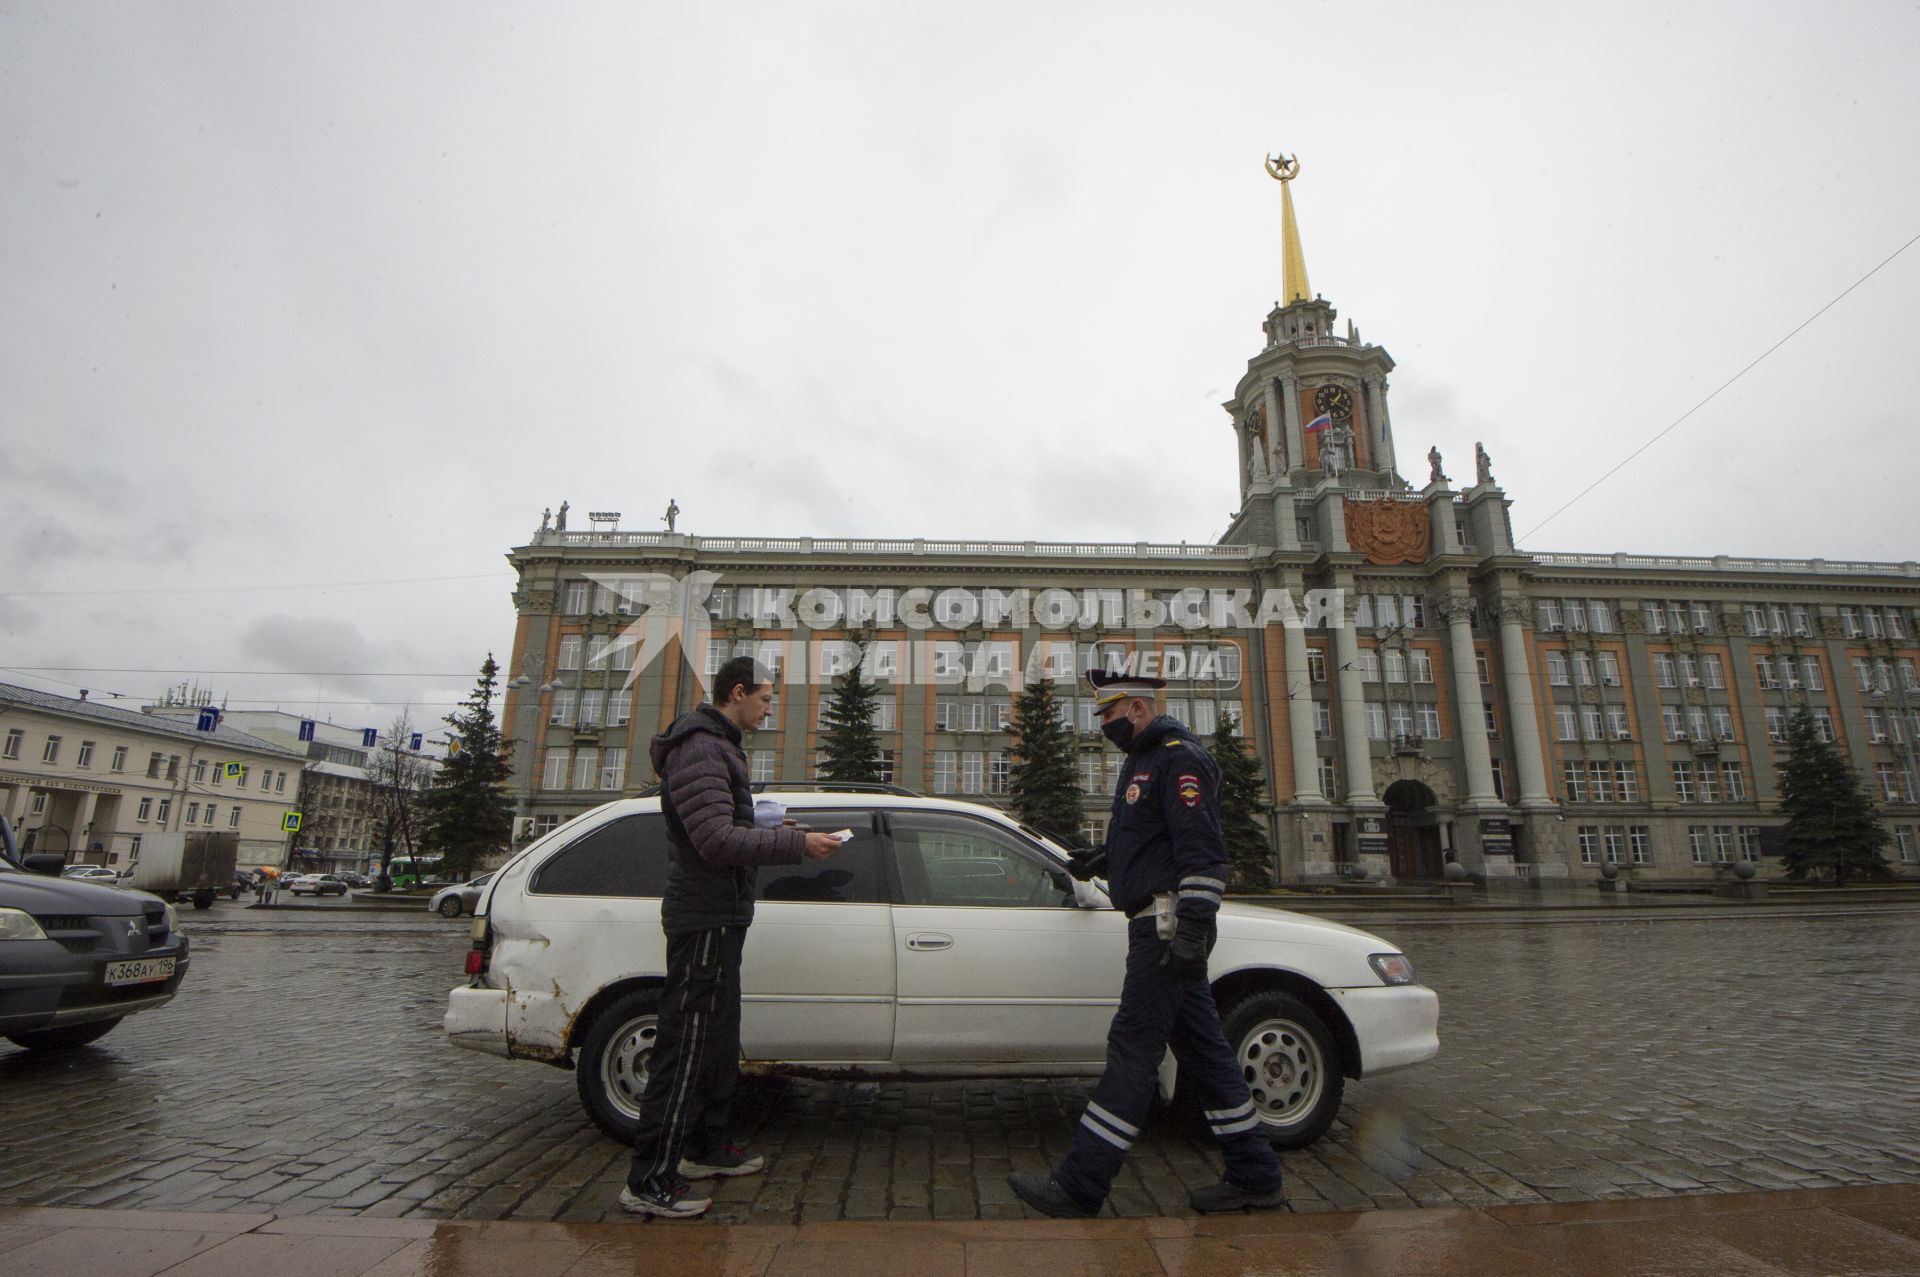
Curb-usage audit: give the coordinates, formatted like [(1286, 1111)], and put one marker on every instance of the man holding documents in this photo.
[(716, 850)]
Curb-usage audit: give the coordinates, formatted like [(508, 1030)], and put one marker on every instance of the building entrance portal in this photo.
[(1413, 831)]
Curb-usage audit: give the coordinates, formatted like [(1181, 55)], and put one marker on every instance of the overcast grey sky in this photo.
[(306, 294)]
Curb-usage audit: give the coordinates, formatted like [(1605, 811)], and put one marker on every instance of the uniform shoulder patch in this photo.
[(1188, 787)]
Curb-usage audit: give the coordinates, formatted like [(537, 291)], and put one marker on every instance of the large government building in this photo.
[(1418, 689)]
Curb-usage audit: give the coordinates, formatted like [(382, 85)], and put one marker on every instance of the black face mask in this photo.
[(1119, 731)]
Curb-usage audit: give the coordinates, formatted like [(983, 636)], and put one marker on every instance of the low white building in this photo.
[(91, 780), (339, 789)]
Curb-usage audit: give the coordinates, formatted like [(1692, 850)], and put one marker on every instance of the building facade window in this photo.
[(1640, 843), (1683, 781), (1733, 779)]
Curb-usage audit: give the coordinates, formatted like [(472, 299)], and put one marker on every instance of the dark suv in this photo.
[(76, 958)]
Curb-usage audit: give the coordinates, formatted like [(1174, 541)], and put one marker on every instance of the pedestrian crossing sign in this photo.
[(233, 770), (291, 822)]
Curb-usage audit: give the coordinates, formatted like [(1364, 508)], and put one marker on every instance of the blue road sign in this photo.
[(209, 719), (306, 729), (369, 737), (416, 742)]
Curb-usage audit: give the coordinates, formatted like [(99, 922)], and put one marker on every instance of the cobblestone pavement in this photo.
[(302, 1071)]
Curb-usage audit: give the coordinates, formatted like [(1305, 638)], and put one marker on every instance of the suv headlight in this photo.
[(1392, 968), (18, 924), (173, 920)]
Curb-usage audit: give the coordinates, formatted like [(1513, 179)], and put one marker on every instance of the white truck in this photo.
[(183, 866)]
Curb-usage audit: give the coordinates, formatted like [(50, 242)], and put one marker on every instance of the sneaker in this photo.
[(671, 1201), (1228, 1196), (1046, 1196), (729, 1160)]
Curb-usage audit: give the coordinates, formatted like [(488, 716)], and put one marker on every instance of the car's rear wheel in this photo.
[(1288, 1059), (614, 1059), (65, 1038), (450, 907)]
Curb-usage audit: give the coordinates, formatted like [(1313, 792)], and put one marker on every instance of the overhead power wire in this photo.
[(135, 669), (177, 591), (1715, 394)]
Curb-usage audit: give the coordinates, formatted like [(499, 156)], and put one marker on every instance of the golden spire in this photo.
[(1283, 169)]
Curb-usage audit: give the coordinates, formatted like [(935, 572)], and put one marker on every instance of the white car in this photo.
[(902, 956), (91, 873)]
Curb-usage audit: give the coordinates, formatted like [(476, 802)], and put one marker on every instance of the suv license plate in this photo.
[(139, 970)]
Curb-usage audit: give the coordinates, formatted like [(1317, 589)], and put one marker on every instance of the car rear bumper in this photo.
[(1395, 1026), (477, 1020)]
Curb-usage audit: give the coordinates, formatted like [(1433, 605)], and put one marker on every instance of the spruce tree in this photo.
[(851, 744), (1831, 824), (466, 816), (1249, 854), (1044, 781)]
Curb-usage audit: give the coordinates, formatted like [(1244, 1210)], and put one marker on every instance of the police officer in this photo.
[(1165, 866)]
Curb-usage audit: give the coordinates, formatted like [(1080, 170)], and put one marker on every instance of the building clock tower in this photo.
[(1311, 410)]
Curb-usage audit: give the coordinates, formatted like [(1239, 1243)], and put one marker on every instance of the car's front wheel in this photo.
[(65, 1038), (1288, 1059), (614, 1059), (450, 907)]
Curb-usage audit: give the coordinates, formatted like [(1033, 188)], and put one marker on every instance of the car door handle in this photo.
[(927, 940)]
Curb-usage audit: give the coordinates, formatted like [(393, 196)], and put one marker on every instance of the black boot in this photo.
[(1047, 1197), (1228, 1196)]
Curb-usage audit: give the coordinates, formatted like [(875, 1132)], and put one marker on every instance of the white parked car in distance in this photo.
[(91, 873), (944, 940)]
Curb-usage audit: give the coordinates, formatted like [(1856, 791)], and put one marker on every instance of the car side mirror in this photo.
[(44, 862)]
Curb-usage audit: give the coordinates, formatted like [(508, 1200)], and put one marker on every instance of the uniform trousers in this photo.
[(1157, 1012), (696, 1056)]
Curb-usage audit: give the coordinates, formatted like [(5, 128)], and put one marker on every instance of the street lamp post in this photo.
[(526, 716)]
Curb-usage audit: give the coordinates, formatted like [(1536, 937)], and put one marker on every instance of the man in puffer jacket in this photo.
[(716, 852)]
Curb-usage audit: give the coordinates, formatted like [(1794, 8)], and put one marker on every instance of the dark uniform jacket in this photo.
[(708, 801), (1165, 831)]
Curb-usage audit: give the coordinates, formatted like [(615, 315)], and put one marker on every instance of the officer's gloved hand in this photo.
[(1186, 955), (1087, 863)]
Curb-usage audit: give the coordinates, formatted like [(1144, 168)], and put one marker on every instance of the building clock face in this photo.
[(1335, 401)]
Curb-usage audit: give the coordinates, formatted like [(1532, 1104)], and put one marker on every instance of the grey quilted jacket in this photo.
[(715, 846)]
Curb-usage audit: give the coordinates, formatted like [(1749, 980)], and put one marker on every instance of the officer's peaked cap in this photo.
[(1109, 686)]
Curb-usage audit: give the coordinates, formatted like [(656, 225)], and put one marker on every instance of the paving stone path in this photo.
[(303, 1072)]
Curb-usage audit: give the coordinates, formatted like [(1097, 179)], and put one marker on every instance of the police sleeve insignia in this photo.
[(1188, 787)]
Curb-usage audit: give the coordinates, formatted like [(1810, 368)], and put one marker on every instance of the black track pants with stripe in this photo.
[(696, 1058), (1156, 1012)]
